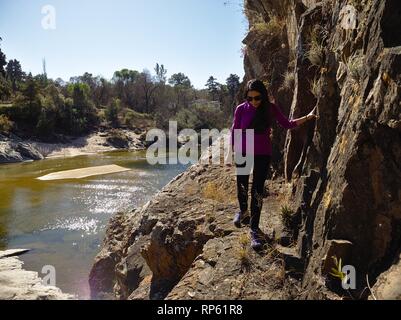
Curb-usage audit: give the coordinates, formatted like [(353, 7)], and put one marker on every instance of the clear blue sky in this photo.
[(197, 37)]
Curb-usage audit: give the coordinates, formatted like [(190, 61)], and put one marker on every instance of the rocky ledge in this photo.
[(13, 149), (183, 245), (19, 284)]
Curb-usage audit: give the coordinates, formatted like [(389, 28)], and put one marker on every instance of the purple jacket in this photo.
[(243, 116)]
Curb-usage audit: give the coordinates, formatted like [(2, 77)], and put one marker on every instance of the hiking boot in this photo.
[(256, 240), (241, 217)]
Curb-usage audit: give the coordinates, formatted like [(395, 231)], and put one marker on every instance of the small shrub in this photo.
[(315, 87), (243, 252), (243, 256), (111, 112), (273, 27), (337, 271), (287, 216), (5, 124), (315, 53), (288, 80), (244, 240), (355, 67)]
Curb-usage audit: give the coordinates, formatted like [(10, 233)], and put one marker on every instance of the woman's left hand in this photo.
[(311, 115)]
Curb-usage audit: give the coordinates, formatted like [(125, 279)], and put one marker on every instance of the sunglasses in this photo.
[(257, 98)]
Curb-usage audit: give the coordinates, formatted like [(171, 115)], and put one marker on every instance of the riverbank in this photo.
[(19, 284), (14, 149)]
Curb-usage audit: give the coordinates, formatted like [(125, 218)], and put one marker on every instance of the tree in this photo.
[(103, 92), (124, 81), (14, 73), (60, 82), (47, 119), (148, 87), (180, 79), (44, 71), (181, 84), (3, 62), (28, 102), (233, 85), (111, 112), (82, 109), (213, 87), (160, 73), (5, 90)]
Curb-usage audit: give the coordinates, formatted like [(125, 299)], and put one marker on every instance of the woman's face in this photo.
[(254, 98)]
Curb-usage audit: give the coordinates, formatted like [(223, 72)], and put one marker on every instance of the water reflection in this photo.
[(63, 221)]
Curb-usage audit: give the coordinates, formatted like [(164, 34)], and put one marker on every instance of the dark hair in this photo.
[(262, 118)]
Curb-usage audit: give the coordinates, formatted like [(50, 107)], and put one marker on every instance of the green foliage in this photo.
[(133, 119), (5, 123), (14, 72), (160, 73), (200, 116), (337, 271), (47, 118), (274, 26), (83, 113), (180, 79), (315, 53), (41, 106), (355, 67), (3, 62), (5, 88), (233, 85), (111, 112), (213, 87), (46, 123), (27, 104)]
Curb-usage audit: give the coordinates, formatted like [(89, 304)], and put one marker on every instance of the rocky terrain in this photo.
[(182, 244), (335, 189), (19, 284), (14, 149)]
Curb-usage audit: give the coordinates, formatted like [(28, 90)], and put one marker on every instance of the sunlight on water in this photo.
[(63, 222), (88, 226)]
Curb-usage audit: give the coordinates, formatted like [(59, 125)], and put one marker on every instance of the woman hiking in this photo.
[(256, 113)]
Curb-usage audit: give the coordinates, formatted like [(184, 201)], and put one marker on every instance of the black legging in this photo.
[(260, 171)]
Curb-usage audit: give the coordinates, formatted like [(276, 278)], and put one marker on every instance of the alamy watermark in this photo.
[(50, 275), (49, 20), (215, 147), (346, 274), (348, 17)]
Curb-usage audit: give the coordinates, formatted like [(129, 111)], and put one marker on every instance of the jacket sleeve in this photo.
[(236, 122), (282, 119)]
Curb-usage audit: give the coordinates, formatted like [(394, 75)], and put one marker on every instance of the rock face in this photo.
[(19, 284), (340, 174), (14, 150), (345, 166), (388, 285)]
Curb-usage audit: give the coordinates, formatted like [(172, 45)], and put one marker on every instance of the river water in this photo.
[(63, 221)]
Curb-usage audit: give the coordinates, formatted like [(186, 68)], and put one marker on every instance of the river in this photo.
[(63, 221)]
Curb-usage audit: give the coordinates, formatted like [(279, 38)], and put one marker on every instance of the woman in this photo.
[(257, 113)]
